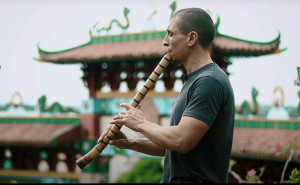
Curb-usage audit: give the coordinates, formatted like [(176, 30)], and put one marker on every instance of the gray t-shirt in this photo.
[(206, 95)]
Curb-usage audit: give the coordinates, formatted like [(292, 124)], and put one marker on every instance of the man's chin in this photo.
[(176, 63)]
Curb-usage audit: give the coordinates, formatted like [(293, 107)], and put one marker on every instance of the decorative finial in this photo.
[(154, 10), (173, 7), (297, 81)]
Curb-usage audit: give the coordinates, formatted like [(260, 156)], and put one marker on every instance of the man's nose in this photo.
[(165, 42)]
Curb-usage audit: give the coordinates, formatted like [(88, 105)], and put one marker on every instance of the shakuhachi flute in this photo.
[(98, 148)]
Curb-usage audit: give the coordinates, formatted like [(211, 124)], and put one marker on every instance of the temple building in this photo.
[(114, 67)]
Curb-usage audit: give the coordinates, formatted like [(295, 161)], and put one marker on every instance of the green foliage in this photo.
[(250, 179), (281, 148), (294, 177), (251, 176), (147, 170), (262, 169), (232, 162)]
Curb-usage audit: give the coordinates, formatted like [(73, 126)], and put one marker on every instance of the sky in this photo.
[(63, 24)]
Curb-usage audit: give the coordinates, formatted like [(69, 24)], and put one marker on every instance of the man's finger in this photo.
[(104, 134), (126, 105), (119, 116)]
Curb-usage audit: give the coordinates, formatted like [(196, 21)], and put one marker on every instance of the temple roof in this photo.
[(258, 138), (232, 47), (252, 138), (132, 46), (38, 132), (261, 143), (108, 52)]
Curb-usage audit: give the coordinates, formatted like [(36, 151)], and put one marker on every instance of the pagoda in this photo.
[(105, 58)]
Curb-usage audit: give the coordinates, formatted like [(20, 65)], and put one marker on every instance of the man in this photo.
[(197, 144)]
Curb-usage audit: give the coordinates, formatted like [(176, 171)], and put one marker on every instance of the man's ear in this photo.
[(193, 38)]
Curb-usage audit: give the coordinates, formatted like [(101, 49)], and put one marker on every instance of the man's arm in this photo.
[(181, 138), (142, 145)]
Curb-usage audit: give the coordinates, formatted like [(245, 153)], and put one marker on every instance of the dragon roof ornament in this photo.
[(97, 31), (126, 11)]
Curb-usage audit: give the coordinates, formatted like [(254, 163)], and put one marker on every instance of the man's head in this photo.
[(198, 20), (189, 30)]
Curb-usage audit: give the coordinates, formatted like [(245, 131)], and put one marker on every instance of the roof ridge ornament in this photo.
[(173, 7), (248, 108), (16, 103), (153, 12), (55, 107), (108, 28), (150, 24)]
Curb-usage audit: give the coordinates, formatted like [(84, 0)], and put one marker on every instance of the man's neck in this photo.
[(197, 60)]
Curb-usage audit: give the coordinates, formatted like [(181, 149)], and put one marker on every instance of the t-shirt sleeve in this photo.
[(205, 98)]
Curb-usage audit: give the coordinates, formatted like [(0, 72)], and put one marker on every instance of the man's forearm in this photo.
[(145, 146)]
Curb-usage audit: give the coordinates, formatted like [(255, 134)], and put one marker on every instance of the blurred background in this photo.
[(40, 143), (63, 24)]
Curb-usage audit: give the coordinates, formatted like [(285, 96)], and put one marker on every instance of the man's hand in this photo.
[(131, 117), (119, 140)]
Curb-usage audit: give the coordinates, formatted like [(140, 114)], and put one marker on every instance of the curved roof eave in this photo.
[(276, 40), (218, 34), (229, 46), (40, 50)]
